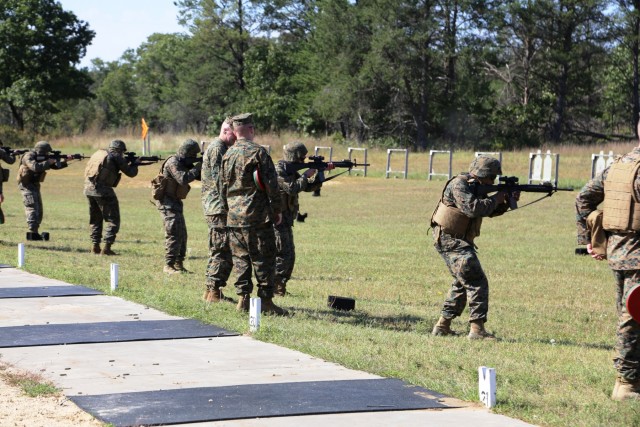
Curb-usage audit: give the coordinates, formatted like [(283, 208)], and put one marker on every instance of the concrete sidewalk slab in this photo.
[(110, 368)]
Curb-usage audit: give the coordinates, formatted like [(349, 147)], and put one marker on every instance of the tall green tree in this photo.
[(41, 44)]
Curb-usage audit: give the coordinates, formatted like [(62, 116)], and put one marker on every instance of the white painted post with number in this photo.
[(114, 277), (20, 255), (254, 314), (487, 386)]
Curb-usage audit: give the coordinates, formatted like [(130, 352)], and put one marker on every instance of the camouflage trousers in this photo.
[(627, 358), (175, 235), (285, 253), (220, 259), (32, 207), (103, 209), (469, 281), (254, 247)]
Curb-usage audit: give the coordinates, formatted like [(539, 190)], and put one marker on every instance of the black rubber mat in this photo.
[(256, 400), (81, 333), (47, 291), (5, 266)]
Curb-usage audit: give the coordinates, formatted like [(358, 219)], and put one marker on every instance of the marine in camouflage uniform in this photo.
[(33, 169), (220, 259), (249, 194), (179, 171), (623, 254), (456, 222), (102, 175), (290, 183), (9, 159)]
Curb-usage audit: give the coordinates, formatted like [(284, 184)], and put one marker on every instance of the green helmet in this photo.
[(189, 148), (117, 145), (43, 147), (295, 152), (485, 166)]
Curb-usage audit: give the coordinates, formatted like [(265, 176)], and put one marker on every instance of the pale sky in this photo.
[(122, 24)]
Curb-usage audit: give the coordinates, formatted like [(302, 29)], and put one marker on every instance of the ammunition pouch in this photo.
[(5, 175), (598, 234)]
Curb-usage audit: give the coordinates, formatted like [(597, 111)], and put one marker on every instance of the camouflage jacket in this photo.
[(180, 174), (247, 205), (623, 249), (9, 159), (290, 185), (211, 162), (35, 169), (115, 163), (463, 193)]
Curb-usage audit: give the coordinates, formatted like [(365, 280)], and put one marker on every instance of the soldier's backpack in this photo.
[(95, 164), (159, 184)]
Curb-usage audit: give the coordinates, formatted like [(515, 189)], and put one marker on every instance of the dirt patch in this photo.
[(19, 410)]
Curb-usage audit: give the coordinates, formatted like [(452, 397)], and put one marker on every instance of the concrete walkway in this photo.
[(154, 365)]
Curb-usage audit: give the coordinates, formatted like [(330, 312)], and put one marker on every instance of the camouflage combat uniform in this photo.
[(623, 254), (9, 159), (459, 253), (103, 202), (250, 215), (33, 173), (290, 185), (179, 175), (220, 260)]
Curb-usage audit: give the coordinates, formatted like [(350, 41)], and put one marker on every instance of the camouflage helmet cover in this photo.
[(189, 148), (117, 145), (485, 166), (43, 147), (295, 152)]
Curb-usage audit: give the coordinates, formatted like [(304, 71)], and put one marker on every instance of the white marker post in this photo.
[(487, 386), (20, 255), (254, 314), (114, 277)]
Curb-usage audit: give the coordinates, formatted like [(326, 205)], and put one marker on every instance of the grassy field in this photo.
[(367, 238)]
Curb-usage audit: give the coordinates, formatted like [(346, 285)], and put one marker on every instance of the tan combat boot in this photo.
[(281, 289), (215, 295), (626, 390), (95, 249), (244, 300), (107, 250), (178, 265), (443, 328), (477, 331), (169, 269), (268, 307)]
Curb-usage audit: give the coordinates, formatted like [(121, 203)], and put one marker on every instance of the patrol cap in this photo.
[(117, 144), (485, 166), (43, 147), (242, 119)]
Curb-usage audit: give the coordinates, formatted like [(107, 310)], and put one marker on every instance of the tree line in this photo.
[(404, 73)]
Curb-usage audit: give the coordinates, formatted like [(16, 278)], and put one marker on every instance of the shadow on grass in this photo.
[(402, 323)]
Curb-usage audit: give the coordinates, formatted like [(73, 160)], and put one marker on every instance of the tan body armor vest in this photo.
[(452, 221), (97, 172), (621, 210)]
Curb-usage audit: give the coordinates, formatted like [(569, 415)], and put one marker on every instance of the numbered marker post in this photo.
[(487, 386), (254, 314), (114, 277), (20, 255)]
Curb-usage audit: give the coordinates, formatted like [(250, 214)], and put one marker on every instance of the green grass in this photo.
[(31, 384), (367, 238)]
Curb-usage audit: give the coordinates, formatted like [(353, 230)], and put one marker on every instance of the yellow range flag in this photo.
[(145, 129)]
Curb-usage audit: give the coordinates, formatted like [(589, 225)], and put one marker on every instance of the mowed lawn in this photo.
[(368, 239)]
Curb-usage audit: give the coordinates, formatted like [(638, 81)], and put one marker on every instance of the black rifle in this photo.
[(12, 152), (57, 156), (132, 158), (318, 163), (510, 185)]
